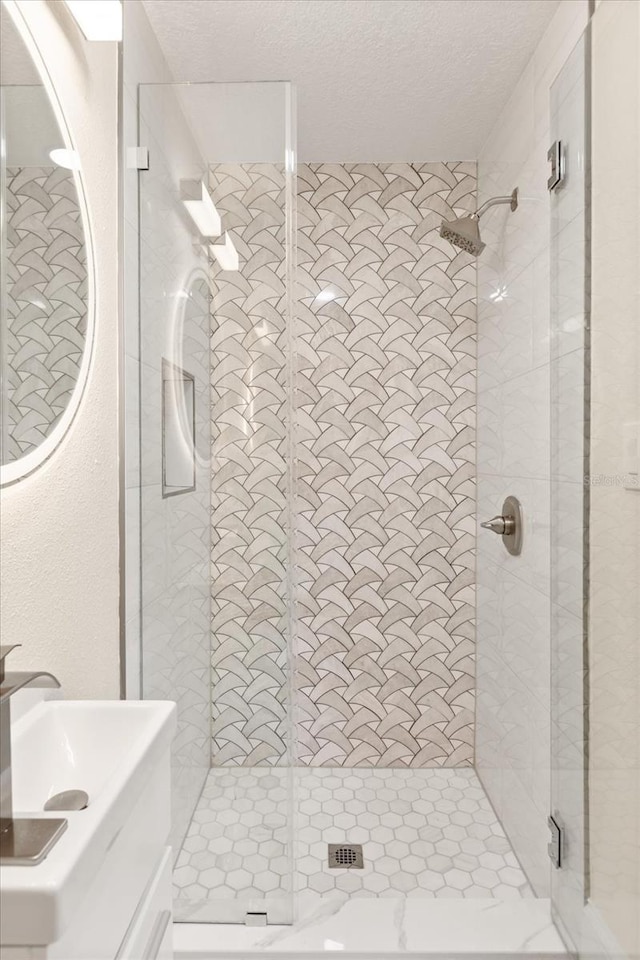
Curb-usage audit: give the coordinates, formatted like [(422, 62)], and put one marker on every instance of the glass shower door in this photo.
[(595, 490), (215, 226), (613, 602), (569, 494)]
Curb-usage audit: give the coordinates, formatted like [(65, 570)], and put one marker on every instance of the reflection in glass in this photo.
[(178, 431)]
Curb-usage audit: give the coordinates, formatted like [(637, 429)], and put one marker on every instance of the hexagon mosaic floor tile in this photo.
[(424, 832)]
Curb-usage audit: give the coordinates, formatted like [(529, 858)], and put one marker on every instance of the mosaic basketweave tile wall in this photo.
[(46, 288), (249, 471), (385, 446)]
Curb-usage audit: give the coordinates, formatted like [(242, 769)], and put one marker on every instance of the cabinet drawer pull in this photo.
[(157, 935)]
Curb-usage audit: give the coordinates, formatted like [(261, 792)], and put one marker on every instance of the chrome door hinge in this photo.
[(554, 847), (138, 158), (555, 156)]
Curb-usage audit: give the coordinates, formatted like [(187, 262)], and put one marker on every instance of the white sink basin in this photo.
[(66, 745), (106, 748)]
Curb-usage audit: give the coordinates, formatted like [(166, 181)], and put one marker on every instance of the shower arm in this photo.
[(512, 199)]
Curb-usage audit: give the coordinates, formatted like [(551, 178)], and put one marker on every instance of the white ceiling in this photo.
[(377, 80)]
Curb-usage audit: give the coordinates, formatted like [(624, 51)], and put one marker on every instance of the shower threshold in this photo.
[(375, 929)]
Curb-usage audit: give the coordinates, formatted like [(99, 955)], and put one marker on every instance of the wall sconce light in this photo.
[(201, 207), (226, 254), (98, 19)]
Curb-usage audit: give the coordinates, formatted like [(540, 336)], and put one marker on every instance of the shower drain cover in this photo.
[(346, 855)]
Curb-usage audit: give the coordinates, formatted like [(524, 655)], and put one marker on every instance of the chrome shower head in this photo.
[(465, 232)]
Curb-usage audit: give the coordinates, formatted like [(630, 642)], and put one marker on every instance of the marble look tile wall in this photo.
[(514, 380), (385, 500), (46, 286)]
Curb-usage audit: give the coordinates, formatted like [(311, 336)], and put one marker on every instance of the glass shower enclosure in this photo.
[(215, 217), (210, 388), (595, 488)]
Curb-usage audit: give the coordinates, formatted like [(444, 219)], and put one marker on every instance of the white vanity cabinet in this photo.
[(127, 909), (104, 891), (149, 936)]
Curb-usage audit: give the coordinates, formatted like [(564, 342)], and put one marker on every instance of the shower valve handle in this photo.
[(508, 525), (503, 526)]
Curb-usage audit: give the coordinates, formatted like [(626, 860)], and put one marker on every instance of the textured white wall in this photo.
[(514, 376), (60, 556)]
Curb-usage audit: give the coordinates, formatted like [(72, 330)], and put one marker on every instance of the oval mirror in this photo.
[(45, 309)]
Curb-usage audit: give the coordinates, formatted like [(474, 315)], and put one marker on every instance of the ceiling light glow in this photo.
[(98, 19)]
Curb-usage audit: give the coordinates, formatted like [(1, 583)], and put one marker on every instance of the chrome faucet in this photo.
[(17, 838)]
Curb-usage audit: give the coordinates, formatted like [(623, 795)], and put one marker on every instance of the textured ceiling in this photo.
[(376, 79)]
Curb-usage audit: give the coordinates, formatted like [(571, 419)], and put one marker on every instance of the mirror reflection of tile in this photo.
[(46, 303)]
